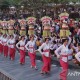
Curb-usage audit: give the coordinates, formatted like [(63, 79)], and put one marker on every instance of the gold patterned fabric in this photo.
[(46, 33), (11, 32), (4, 31), (64, 33), (31, 32), (22, 32)]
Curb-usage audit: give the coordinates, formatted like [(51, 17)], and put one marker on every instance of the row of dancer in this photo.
[(7, 45), (62, 53)]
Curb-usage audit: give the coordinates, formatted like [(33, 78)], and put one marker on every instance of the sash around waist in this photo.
[(66, 55), (46, 50)]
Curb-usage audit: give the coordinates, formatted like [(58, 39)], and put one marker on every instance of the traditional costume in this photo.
[(21, 46), (5, 46), (63, 53), (46, 56), (30, 46), (11, 45), (63, 60), (1, 46), (77, 56)]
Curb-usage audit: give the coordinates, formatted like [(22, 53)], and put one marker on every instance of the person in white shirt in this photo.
[(75, 47), (21, 46), (54, 46), (5, 46), (30, 46), (62, 54), (70, 52), (1, 46), (46, 56), (11, 46), (77, 56)]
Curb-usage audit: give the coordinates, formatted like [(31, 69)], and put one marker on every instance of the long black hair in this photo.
[(47, 38), (69, 46), (64, 39)]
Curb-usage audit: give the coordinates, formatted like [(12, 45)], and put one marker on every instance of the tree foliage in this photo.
[(33, 3)]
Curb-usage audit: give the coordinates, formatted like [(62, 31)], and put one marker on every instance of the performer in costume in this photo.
[(11, 45), (21, 46), (76, 60), (62, 53), (1, 46), (77, 56), (46, 56), (30, 46), (5, 46)]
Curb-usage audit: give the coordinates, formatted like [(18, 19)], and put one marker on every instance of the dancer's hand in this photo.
[(58, 56)]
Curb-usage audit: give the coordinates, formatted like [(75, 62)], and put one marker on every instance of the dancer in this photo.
[(46, 56), (30, 46), (1, 46), (77, 56), (21, 46), (62, 54), (5, 46), (11, 45)]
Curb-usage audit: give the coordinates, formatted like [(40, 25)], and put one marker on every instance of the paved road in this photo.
[(17, 72)]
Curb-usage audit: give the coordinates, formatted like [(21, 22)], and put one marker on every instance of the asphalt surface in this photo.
[(15, 71)]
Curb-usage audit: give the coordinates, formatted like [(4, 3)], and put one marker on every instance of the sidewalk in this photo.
[(12, 70)]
